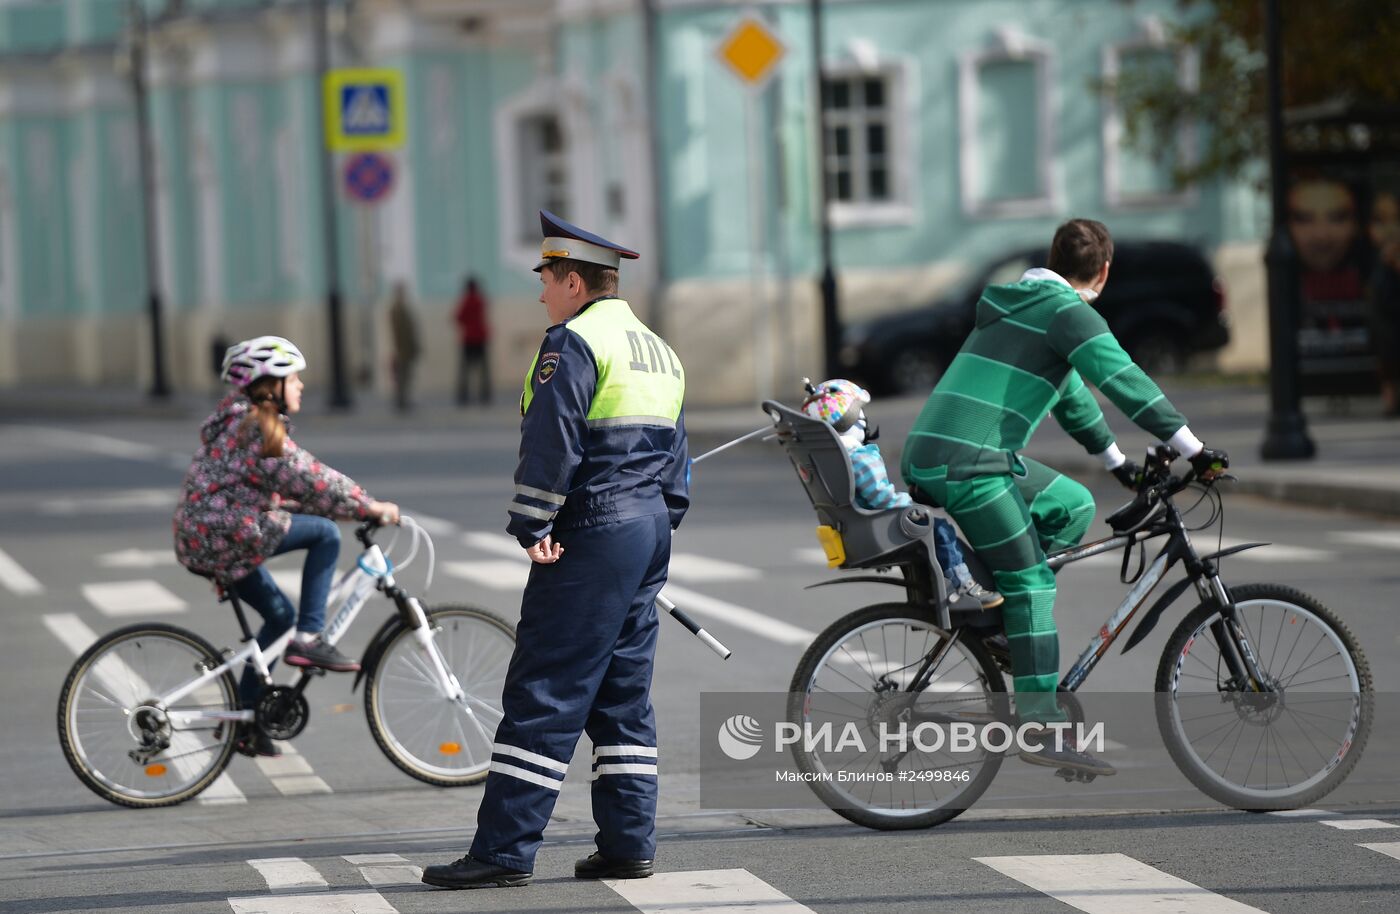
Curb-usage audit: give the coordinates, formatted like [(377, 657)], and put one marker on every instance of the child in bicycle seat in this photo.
[(839, 403), (252, 493)]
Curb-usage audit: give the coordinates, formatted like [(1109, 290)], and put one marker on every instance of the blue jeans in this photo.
[(320, 538), (946, 548)]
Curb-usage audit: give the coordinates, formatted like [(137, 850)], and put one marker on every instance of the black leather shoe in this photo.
[(473, 874), (596, 866)]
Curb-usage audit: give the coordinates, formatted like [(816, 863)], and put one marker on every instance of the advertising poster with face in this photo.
[(1325, 224), (1344, 222), (1383, 286)]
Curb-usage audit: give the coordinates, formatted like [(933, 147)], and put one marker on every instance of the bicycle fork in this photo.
[(425, 635), (1235, 649)]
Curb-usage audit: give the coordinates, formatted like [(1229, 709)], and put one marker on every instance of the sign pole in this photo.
[(140, 48), (751, 50), (340, 389), (763, 344)]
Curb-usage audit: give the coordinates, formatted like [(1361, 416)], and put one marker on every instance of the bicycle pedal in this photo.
[(1070, 775)]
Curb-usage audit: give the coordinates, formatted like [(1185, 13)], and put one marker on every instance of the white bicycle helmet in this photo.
[(261, 357)]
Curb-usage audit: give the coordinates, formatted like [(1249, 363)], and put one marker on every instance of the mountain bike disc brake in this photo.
[(282, 712)]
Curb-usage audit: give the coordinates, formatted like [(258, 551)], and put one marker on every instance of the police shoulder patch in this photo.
[(549, 364)]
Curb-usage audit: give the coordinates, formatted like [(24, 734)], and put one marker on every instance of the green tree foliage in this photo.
[(1332, 49)]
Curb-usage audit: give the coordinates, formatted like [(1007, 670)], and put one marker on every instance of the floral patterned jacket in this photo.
[(231, 517)]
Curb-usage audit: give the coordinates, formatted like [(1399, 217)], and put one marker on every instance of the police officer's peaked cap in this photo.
[(564, 240)]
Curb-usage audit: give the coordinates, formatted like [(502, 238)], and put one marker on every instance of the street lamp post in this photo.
[(340, 390), (160, 389), (1286, 437), (831, 311)]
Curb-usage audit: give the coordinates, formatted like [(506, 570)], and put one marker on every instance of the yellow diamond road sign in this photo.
[(751, 50)]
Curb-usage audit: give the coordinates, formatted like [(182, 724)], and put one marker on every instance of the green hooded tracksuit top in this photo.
[(1035, 343)]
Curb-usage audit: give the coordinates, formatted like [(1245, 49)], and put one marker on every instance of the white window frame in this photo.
[(1188, 75), (902, 147), (540, 99), (1008, 45)]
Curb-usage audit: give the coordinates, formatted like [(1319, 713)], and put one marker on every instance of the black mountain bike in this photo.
[(1263, 697)]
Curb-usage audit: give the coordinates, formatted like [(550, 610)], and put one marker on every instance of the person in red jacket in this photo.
[(475, 334)]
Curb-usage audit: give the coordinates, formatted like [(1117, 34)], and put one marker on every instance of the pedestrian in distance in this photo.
[(403, 328), (474, 335), (601, 485), (252, 493), (1035, 342)]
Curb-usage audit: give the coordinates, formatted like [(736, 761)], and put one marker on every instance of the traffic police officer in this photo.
[(601, 483)]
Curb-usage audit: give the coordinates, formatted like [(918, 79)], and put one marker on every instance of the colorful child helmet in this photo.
[(261, 357), (837, 402)]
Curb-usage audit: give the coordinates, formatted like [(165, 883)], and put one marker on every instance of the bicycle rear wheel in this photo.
[(429, 735), (1279, 749), (121, 742), (858, 671)]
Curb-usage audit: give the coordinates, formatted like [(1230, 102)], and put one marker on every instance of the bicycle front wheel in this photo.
[(118, 737), (433, 736), (859, 671), (1281, 748)]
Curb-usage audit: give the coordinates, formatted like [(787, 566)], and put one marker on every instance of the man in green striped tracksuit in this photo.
[(1035, 343)]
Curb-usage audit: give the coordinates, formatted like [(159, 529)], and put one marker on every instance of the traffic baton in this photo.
[(768, 429), (710, 641)]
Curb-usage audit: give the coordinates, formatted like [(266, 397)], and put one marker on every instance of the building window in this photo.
[(870, 117), (1140, 173), (1006, 129), (856, 117), (544, 174), (540, 149)]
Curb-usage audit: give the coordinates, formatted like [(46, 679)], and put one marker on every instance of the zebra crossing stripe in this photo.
[(1389, 848), (1357, 824), (739, 616), (132, 598), (282, 873), (291, 774), (342, 903), (16, 580), (294, 875), (498, 574), (687, 566), (705, 892), (1113, 884), (1381, 539), (386, 869)]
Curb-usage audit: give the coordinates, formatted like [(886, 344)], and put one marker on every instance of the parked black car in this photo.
[(1163, 302)]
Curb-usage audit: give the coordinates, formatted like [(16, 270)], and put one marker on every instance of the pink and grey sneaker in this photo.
[(318, 653)]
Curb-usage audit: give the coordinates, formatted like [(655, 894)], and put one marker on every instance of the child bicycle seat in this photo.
[(855, 537)]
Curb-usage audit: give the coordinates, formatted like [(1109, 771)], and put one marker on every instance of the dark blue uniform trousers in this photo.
[(582, 663)]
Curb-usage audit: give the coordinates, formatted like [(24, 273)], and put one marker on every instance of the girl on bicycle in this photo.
[(252, 493)]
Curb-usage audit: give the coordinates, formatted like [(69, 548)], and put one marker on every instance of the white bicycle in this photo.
[(149, 714)]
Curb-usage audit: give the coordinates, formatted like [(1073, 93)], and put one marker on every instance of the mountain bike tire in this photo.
[(973, 657), (1283, 624), (425, 735), (112, 684)]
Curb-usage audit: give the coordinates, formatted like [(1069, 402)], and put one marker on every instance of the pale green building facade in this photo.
[(957, 129)]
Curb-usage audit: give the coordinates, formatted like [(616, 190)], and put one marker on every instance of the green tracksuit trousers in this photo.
[(1012, 521)]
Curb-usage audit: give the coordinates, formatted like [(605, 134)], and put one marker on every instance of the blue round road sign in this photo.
[(368, 176)]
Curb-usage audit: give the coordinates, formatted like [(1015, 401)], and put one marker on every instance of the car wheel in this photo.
[(1155, 352), (915, 370)]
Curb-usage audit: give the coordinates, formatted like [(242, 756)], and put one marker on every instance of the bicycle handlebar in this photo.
[(1158, 484)]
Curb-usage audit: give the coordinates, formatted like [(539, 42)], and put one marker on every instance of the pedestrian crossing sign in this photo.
[(364, 110)]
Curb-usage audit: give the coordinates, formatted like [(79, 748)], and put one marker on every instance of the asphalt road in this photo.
[(87, 505)]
